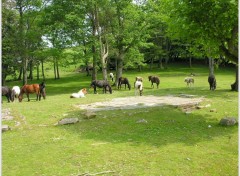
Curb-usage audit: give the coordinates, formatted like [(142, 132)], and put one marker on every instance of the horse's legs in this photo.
[(95, 91), (28, 96)]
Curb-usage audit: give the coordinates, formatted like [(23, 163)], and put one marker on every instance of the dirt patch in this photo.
[(141, 102)]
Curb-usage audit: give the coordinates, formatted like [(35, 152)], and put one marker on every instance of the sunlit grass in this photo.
[(170, 143)]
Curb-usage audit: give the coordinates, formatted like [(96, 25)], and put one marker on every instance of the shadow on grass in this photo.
[(164, 125)]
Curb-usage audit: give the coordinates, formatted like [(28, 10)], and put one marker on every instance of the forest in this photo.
[(112, 34)]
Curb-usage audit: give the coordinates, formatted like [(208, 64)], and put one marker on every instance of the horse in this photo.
[(111, 75), (80, 94), (154, 79), (189, 81), (101, 84), (15, 92), (125, 81), (138, 86), (27, 89), (6, 91), (212, 82)]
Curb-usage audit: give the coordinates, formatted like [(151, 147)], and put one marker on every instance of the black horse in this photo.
[(101, 84), (125, 81), (6, 91), (154, 79), (42, 89), (212, 82)]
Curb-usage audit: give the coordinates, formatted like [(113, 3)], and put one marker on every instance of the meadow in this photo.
[(171, 143)]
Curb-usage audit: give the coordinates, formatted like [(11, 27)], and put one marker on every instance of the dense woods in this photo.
[(115, 34)]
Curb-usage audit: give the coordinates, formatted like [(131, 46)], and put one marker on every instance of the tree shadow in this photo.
[(161, 126)]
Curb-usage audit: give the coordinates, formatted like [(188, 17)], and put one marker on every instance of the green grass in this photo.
[(171, 143)]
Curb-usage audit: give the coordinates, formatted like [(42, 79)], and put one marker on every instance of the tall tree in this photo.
[(210, 24)]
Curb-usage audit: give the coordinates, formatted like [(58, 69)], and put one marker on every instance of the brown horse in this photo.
[(39, 89)]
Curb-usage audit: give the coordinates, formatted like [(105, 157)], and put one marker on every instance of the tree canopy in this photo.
[(132, 33)]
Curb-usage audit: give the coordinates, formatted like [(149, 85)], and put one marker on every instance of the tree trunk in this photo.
[(43, 74), (25, 64), (30, 76), (234, 86), (20, 73), (119, 68), (211, 66), (38, 71), (160, 64), (57, 67), (190, 62), (54, 66)]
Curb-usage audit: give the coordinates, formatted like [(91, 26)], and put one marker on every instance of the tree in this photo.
[(211, 25), (9, 49)]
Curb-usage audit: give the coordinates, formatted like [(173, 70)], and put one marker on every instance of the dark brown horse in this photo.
[(154, 79), (27, 89), (125, 81), (101, 84)]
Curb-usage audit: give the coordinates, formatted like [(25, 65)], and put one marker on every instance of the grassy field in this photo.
[(171, 143)]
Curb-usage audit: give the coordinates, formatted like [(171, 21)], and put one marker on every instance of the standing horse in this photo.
[(154, 79), (27, 89), (189, 81), (15, 92), (125, 81), (101, 84), (111, 75), (212, 82), (6, 91), (138, 86)]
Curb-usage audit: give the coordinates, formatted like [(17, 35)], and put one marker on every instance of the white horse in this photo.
[(15, 92), (138, 86), (80, 94), (111, 75)]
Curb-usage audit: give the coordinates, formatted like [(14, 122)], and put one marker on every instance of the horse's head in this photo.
[(84, 91), (149, 78), (20, 98), (93, 84)]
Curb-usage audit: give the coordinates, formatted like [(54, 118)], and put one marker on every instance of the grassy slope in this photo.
[(171, 143)]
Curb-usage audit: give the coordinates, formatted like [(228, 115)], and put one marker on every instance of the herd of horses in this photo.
[(40, 89), (17, 92)]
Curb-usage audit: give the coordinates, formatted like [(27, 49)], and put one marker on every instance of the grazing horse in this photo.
[(111, 75), (189, 81), (6, 91), (125, 81), (154, 79), (15, 92), (138, 86), (212, 82), (101, 84), (27, 89), (80, 94)]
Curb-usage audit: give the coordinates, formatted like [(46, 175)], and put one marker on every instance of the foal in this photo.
[(111, 75), (154, 79), (212, 82), (189, 81), (138, 86), (125, 81), (80, 94)]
